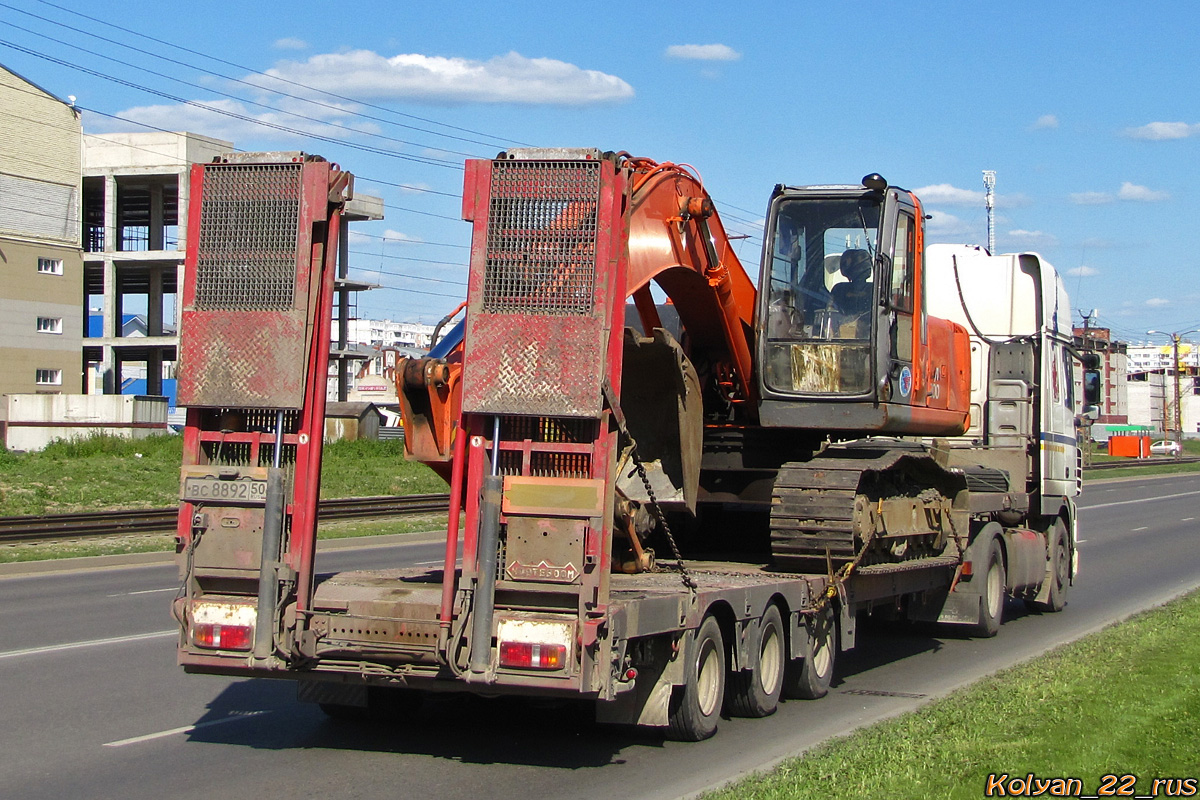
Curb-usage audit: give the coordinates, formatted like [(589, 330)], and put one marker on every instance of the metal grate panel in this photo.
[(249, 221), (541, 243)]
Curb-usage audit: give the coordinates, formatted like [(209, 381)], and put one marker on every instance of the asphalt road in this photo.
[(93, 705)]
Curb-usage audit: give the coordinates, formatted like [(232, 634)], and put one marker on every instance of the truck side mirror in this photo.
[(1091, 388)]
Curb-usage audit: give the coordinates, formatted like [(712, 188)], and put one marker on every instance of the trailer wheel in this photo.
[(696, 706), (809, 677), (1058, 570), (754, 692), (991, 604)]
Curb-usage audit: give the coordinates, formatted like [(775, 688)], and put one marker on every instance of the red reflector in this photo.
[(527, 655), (222, 637), (966, 569)]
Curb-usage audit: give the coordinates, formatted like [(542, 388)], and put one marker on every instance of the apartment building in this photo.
[(41, 270)]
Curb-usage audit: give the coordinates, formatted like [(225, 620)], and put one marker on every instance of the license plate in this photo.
[(240, 490)]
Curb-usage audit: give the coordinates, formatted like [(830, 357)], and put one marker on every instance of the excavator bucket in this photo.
[(661, 395)]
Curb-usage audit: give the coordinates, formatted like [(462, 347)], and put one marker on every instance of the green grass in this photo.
[(107, 472), (1123, 701)]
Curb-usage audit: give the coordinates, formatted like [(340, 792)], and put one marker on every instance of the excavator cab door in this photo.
[(903, 338)]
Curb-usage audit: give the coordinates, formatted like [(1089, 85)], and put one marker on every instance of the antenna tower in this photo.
[(989, 202)]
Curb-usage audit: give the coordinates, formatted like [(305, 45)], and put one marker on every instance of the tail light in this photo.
[(223, 625), (531, 655), (223, 637), (535, 643)]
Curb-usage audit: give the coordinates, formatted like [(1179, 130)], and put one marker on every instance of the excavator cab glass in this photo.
[(821, 303)]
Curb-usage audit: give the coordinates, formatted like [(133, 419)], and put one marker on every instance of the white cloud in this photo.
[(1128, 191), (510, 78), (1163, 131), (1158, 302), (1045, 122), (943, 227), (396, 236), (1141, 194), (290, 43), (945, 194), (1024, 238), (1092, 198), (703, 52), (1083, 272)]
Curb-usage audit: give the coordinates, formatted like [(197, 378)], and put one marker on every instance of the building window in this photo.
[(50, 266), (49, 324), (49, 377)]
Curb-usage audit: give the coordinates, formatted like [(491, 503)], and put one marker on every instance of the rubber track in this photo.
[(813, 505)]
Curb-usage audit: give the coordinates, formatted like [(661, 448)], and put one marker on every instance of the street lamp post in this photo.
[(1175, 337)]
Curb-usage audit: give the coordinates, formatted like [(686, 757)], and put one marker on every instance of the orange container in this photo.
[(1129, 446)]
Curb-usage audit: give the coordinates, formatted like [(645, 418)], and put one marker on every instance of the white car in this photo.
[(1166, 447)]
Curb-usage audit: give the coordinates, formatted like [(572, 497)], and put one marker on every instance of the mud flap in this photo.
[(962, 604), (647, 703)]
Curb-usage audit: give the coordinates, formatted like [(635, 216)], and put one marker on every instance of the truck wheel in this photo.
[(1058, 570), (991, 604), (808, 678), (696, 706), (755, 692)]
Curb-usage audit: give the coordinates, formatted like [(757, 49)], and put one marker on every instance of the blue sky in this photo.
[(1086, 111)]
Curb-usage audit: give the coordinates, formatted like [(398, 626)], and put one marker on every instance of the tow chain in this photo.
[(684, 575), (659, 516), (836, 579)]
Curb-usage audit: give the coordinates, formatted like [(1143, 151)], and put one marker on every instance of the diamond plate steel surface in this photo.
[(253, 360), (545, 366)]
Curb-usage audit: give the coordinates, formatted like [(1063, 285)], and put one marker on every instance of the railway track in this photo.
[(34, 528)]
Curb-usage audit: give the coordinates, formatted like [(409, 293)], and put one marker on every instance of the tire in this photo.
[(755, 692), (991, 601), (809, 677), (1058, 570), (696, 706)]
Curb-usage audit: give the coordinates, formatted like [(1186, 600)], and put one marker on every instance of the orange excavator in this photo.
[(731, 394)]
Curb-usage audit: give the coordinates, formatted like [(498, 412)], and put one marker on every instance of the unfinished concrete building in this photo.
[(135, 188), (135, 199)]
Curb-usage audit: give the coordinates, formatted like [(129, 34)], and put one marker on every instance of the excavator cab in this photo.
[(822, 293), (844, 344)]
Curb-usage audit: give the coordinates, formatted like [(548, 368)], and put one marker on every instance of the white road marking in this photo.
[(55, 648), (1138, 500), (1143, 528), (237, 715), (1188, 519), (146, 591)]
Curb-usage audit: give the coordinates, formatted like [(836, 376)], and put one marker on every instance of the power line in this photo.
[(275, 109), (242, 117), (176, 46)]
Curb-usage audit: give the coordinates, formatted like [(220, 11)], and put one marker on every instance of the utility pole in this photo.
[(989, 202), (1175, 337)]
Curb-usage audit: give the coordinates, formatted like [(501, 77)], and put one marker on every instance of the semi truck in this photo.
[(675, 489)]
